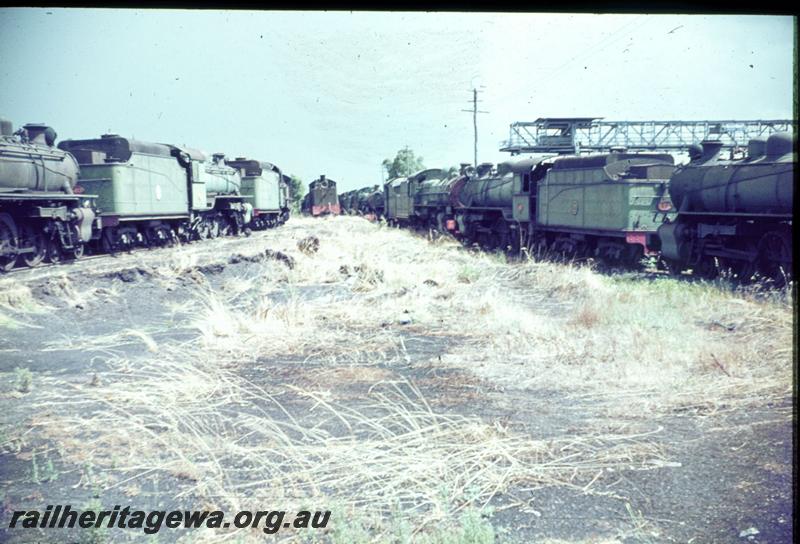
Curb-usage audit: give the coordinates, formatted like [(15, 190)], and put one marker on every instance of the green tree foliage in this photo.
[(297, 189), (405, 163)]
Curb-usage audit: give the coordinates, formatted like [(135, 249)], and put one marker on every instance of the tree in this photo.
[(297, 190), (405, 163)]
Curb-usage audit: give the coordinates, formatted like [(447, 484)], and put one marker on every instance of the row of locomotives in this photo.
[(42, 215), (151, 194), (367, 202), (321, 198), (371, 202), (348, 202), (605, 206), (268, 190), (734, 215)]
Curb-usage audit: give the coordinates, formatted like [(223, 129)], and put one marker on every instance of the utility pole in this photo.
[(475, 113)]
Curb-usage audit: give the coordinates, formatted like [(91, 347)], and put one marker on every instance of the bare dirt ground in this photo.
[(420, 391)]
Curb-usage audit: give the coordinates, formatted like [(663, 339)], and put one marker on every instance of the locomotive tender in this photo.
[(41, 213), (607, 205), (269, 189)]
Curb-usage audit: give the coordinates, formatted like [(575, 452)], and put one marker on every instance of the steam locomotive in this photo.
[(41, 213), (733, 214), (321, 198)]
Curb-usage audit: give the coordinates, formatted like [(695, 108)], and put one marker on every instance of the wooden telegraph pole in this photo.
[(474, 111)]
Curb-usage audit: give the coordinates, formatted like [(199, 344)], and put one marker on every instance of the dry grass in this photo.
[(238, 446), (667, 343), (214, 413)]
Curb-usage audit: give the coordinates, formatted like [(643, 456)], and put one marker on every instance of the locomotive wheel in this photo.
[(172, 238), (743, 270), (149, 238), (213, 230), (707, 268), (634, 256), (106, 241), (8, 243), (35, 238), (775, 256), (54, 254), (203, 231), (673, 267), (76, 253)]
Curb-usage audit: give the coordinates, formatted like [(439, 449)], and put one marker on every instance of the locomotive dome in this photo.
[(523, 165), (780, 143), (41, 133)]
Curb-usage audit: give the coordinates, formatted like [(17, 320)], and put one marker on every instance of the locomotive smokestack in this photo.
[(484, 168), (756, 148), (6, 127), (711, 149), (695, 152)]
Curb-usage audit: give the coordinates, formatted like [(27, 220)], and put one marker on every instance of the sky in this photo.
[(336, 93)]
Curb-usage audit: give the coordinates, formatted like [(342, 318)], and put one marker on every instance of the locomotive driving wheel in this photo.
[(8, 243), (707, 268), (54, 254), (675, 268), (775, 256), (213, 230), (35, 238)]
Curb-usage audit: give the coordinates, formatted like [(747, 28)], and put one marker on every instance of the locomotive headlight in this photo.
[(664, 205), (87, 203)]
